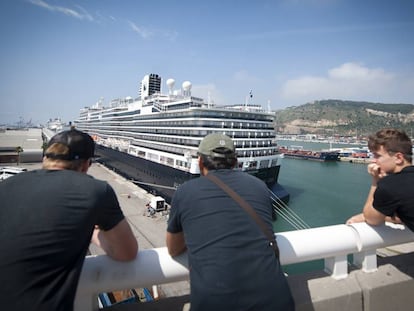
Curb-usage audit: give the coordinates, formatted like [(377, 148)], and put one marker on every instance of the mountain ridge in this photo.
[(343, 117)]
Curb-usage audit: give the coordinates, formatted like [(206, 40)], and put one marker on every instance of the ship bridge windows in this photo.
[(264, 164), (183, 164), (160, 147), (167, 160), (252, 164)]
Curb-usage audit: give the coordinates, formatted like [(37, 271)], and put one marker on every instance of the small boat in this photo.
[(297, 152), (356, 153)]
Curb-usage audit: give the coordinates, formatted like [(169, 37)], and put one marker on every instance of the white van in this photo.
[(9, 171)]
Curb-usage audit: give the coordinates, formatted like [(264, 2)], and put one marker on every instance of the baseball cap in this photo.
[(216, 145), (80, 145)]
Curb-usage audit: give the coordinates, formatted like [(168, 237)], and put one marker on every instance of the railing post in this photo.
[(366, 260), (337, 266)]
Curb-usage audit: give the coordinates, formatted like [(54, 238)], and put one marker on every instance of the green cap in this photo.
[(212, 144)]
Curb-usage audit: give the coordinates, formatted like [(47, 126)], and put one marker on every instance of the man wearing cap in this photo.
[(48, 219), (232, 266)]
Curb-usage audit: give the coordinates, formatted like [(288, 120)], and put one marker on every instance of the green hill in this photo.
[(344, 117)]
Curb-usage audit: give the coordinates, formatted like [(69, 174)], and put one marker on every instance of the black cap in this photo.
[(80, 144)]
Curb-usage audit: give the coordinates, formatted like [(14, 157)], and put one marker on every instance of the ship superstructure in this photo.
[(157, 135)]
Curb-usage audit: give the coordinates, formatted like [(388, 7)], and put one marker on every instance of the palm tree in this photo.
[(18, 150), (44, 147)]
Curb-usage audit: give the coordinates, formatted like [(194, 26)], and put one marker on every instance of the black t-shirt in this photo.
[(47, 219), (395, 195), (232, 266)]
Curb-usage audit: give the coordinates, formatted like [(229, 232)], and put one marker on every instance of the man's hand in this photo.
[(119, 243), (356, 218), (375, 171)]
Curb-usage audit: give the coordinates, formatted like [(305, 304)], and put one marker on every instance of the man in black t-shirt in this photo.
[(391, 197), (48, 219), (232, 265)]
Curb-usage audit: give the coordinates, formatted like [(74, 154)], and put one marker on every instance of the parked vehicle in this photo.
[(9, 171)]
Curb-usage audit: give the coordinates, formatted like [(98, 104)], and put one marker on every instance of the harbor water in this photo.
[(321, 193)]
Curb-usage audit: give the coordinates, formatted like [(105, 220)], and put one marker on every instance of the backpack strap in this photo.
[(246, 206)]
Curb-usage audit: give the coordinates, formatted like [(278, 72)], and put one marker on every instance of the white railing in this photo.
[(155, 266)]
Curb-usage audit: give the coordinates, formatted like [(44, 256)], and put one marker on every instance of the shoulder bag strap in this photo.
[(246, 206)]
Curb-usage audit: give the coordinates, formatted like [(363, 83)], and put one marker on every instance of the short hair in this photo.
[(226, 160), (57, 148), (392, 140)]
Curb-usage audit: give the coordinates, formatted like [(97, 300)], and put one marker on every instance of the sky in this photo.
[(58, 56)]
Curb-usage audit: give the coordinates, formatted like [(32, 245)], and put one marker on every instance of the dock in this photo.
[(355, 160), (149, 231)]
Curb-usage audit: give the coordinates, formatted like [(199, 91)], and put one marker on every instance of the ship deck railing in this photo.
[(333, 244)]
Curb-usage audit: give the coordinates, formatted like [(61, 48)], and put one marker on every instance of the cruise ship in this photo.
[(153, 139)]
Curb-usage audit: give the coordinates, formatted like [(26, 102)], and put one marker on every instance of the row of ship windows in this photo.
[(163, 159), (186, 164), (253, 164), (179, 150), (189, 123), (202, 133), (259, 143), (186, 132), (136, 114), (256, 143)]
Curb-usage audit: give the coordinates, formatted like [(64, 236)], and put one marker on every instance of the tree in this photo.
[(44, 147)]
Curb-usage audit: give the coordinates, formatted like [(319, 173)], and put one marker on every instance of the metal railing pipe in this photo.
[(316, 243), (155, 266), (103, 274)]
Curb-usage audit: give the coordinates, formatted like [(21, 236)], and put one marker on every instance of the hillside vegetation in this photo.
[(344, 117)]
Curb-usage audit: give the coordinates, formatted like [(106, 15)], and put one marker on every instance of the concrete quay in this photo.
[(355, 160), (149, 231)]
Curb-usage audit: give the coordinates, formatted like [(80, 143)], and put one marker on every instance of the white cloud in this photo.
[(208, 92), (147, 33), (241, 75), (144, 33), (351, 71), (81, 13), (350, 81)]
